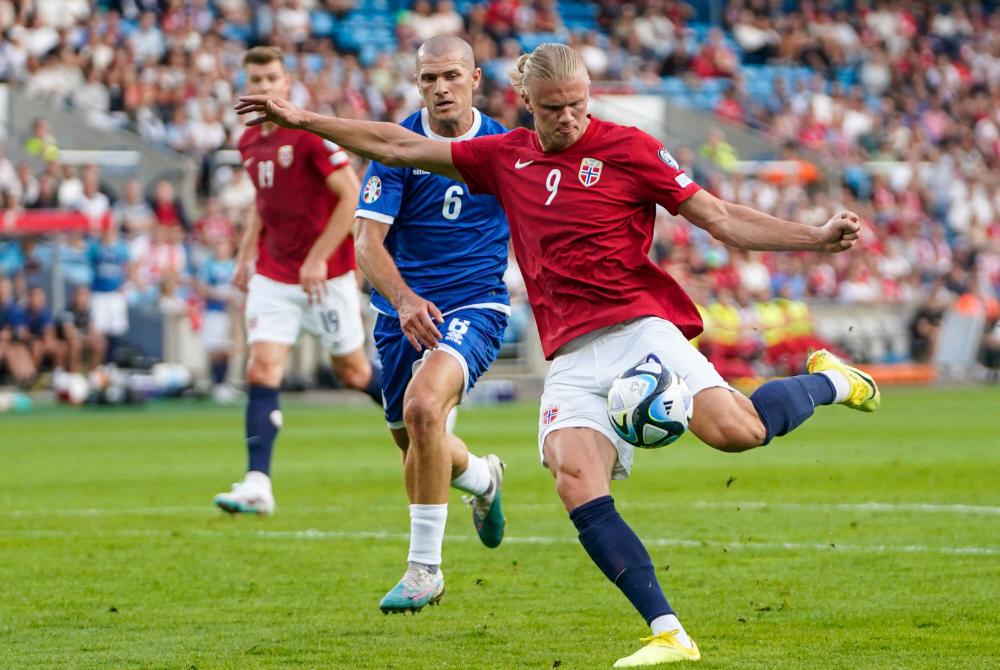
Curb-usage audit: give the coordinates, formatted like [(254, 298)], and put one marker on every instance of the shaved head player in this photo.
[(580, 196), (436, 257)]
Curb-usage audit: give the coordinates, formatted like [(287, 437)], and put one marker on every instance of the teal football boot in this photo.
[(487, 511), (417, 589)]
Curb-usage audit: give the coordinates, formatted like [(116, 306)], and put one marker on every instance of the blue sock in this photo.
[(784, 404), (374, 388), (219, 368), (620, 555), (262, 426)]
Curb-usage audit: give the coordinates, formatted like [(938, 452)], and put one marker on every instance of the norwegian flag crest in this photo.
[(590, 171), (550, 414)]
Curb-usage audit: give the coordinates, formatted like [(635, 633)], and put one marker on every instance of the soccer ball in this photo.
[(649, 405)]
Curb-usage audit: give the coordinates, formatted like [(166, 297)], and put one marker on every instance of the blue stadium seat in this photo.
[(846, 76), (314, 62), (529, 41), (233, 32), (323, 23), (370, 6), (580, 25), (674, 86), (576, 10)]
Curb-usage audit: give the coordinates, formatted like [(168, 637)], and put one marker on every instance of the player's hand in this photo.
[(271, 109), (417, 317), (242, 274), (840, 233), (312, 277)]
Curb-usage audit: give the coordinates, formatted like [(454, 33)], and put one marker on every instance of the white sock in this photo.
[(662, 624), (476, 479), (840, 382), (258, 478), (449, 423), (427, 533)]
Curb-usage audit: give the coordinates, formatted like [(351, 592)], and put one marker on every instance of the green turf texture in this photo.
[(112, 556)]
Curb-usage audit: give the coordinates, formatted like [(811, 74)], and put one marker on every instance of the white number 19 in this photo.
[(552, 184)]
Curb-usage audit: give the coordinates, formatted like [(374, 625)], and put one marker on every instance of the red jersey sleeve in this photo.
[(326, 156), (657, 176), (475, 160)]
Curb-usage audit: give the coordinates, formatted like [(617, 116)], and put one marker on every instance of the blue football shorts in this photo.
[(472, 336)]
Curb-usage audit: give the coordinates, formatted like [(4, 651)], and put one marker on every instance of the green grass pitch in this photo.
[(112, 556)]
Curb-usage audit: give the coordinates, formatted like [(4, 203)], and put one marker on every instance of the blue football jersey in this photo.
[(110, 263), (450, 247), (218, 276)]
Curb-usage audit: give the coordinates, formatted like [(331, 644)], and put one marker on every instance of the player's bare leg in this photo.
[(74, 348), (357, 372), (433, 460), (728, 421), (265, 369), (459, 455), (582, 460), (20, 362), (98, 347)]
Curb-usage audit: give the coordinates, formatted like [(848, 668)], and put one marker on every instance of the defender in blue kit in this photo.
[(436, 256)]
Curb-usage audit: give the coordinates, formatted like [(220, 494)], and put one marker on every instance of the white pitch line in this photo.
[(929, 508), (313, 534), (895, 508)]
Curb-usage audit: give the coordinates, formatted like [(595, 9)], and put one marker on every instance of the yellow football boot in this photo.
[(662, 648), (864, 393)]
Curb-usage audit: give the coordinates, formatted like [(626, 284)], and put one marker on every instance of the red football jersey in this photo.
[(582, 224), (289, 169)]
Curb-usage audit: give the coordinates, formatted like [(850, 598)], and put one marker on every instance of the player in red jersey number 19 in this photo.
[(296, 263), (580, 197)]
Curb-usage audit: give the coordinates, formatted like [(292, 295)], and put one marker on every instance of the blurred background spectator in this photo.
[(890, 109)]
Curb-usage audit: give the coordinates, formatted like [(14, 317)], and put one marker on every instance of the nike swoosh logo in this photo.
[(520, 165), (419, 594), (247, 162)]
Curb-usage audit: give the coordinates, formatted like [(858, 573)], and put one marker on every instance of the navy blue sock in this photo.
[(374, 388), (620, 555), (784, 404), (219, 368), (262, 426)]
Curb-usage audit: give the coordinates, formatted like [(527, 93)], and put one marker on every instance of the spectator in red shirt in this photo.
[(215, 226), (730, 108), (167, 206)]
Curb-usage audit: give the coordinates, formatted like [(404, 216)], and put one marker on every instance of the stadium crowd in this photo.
[(902, 109)]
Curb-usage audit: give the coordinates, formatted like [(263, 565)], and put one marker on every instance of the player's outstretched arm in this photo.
[(387, 143), (748, 228), (417, 316)]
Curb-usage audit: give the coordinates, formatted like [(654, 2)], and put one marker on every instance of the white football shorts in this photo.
[(216, 327), (277, 312), (576, 388), (109, 312)]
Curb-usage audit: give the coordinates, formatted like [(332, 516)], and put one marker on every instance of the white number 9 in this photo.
[(452, 203), (552, 184)]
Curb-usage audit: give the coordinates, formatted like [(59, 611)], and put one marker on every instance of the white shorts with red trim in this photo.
[(576, 388), (277, 312)]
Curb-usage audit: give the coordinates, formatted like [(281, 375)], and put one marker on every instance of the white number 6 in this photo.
[(452, 203), (552, 184)]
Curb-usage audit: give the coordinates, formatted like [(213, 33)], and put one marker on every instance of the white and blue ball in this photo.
[(649, 405)]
